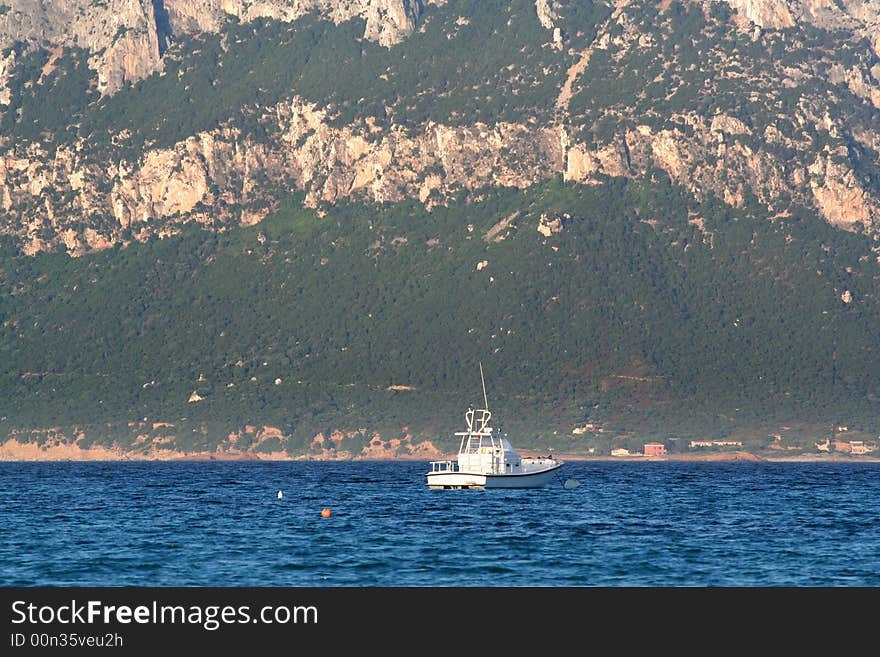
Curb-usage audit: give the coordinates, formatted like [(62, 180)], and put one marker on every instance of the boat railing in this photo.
[(444, 466), (540, 460)]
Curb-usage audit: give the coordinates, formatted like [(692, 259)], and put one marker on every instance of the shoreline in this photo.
[(23, 452), (106, 455)]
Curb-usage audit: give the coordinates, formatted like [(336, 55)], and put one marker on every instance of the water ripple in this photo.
[(629, 524)]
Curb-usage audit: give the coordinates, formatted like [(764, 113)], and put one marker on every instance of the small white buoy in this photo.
[(572, 483), (280, 495)]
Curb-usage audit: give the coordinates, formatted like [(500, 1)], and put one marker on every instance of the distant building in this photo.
[(859, 447), (824, 447), (619, 451), (655, 449), (716, 443), (587, 427)]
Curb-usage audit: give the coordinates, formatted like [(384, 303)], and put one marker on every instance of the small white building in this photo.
[(859, 447), (716, 443), (584, 429)]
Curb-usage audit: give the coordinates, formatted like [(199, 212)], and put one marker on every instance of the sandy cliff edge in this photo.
[(13, 450)]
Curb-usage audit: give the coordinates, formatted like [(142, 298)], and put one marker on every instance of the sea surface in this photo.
[(627, 524)]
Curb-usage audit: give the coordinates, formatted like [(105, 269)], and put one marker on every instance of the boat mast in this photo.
[(496, 460)]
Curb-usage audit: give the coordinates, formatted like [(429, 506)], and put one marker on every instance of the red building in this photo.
[(655, 449)]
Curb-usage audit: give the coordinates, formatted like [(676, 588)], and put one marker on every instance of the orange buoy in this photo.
[(326, 513)]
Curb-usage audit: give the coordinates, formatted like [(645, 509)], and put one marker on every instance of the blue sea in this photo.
[(627, 524)]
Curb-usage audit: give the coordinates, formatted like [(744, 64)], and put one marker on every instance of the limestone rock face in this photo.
[(549, 226), (828, 184), (766, 13), (119, 34), (387, 21), (858, 83), (126, 38), (391, 21), (69, 198), (546, 15), (860, 16), (217, 177), (62, 198), (838, 194)]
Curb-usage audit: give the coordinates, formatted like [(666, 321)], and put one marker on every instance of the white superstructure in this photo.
[(489, 461)]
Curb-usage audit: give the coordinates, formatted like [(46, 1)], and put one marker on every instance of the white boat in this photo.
[(487, 460)]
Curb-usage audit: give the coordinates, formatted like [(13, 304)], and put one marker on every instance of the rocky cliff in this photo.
[(159, 441), (220, 176), (120, 35), (127, 38), (861, 16), (794, 130)]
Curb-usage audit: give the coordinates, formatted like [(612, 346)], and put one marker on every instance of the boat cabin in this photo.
[(481, 450)]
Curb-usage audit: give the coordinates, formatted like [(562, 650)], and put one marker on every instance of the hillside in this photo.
[(242, 107), (295, 227), (628, 306)]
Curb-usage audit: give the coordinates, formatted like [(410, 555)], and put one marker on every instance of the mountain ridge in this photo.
[(84, 192), (657, 220)]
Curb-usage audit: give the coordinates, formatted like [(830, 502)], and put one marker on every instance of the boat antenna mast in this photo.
[(483, 381)]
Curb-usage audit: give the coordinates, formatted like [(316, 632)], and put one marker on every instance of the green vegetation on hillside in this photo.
[(632, 316), (469, 61), (679, 62), (49, 95), (472, 61), (495, 64)]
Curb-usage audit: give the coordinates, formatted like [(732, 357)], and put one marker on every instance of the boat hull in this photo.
[(461, 479)]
